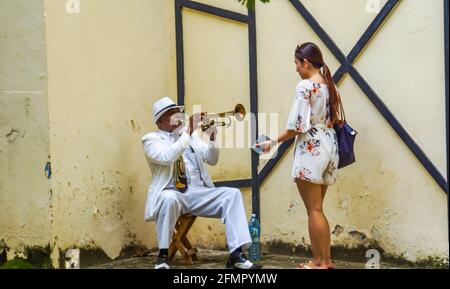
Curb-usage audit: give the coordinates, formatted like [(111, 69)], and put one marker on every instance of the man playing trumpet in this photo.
[(181, 185)]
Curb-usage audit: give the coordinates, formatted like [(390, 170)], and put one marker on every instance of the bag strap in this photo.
[(341, 106), (342, 110)]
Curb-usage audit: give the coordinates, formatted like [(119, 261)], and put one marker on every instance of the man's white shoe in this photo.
[(240, 261), (246, 265), (162, 263)]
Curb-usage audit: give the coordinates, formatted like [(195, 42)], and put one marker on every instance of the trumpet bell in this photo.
[(239, 112)]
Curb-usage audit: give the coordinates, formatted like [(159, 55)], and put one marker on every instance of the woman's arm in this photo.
[(267, 145)]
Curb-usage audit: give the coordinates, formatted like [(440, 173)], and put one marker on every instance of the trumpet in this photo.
[(210, 120)]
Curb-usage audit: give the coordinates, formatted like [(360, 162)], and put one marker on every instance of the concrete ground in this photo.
[(212, 259)]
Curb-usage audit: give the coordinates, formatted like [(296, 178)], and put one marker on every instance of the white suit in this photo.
[(165, 204)]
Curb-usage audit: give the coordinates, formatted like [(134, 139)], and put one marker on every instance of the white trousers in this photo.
[(223, 202)]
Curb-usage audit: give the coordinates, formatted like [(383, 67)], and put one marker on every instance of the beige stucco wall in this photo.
[(25, 198), (109, 63)]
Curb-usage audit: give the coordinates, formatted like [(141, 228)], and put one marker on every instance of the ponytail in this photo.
[(334, 96)]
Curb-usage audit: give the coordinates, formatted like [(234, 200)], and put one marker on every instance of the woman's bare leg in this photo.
[(319, 230), (328, 259)]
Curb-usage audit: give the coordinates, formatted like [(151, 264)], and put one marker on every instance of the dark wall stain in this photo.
[(354, 254), (95, 256)]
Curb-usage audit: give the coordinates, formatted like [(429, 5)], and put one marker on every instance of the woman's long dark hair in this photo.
[(312, 53)]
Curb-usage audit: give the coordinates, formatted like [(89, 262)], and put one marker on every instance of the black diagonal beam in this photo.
[(357, 49), (320, 32), (367, 36), (373, 97)]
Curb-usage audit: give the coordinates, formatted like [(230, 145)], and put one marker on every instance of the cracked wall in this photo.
[(108, 64), (25, 199)]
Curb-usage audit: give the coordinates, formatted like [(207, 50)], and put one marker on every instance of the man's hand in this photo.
[(211, 132), (177, 119), (194, 120)]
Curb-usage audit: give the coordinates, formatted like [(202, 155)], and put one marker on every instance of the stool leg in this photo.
[(172, 250), (192, 251), (180, 241), (185, 252)]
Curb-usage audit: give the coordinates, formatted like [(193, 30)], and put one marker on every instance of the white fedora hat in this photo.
[(163, 105)]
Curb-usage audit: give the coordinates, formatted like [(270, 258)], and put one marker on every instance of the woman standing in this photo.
[(313, 113)]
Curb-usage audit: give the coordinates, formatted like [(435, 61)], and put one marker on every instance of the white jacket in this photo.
[(162, 152)]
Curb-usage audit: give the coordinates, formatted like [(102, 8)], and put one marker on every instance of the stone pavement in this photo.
[(213, 259)]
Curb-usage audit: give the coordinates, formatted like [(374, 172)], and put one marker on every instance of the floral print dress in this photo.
[(316, 151)]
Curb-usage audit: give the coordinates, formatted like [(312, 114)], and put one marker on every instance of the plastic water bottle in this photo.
[(255, 230)]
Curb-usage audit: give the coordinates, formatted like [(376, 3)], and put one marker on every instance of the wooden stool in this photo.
[(180, 241)]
